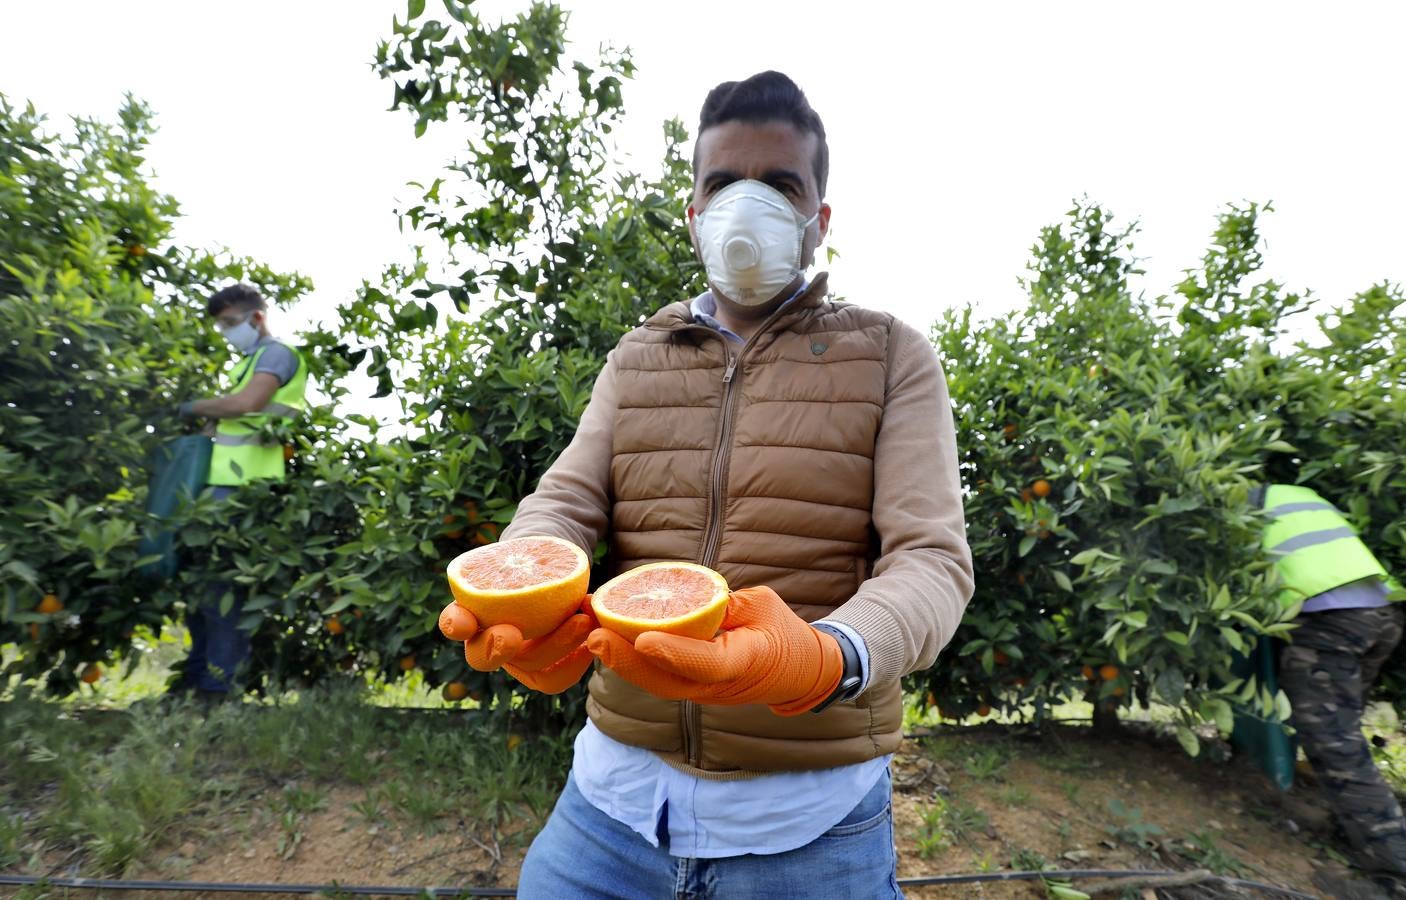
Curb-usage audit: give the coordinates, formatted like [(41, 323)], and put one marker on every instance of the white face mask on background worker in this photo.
[(243, 336), (751, 239)]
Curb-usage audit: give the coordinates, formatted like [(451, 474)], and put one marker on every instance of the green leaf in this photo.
[(1062, 580), (1188, 740), (417, 7), (1159, 567), (23, 571), (1170, 686), (1027, 544), (341, 603), (1232, 639), (258, 602)]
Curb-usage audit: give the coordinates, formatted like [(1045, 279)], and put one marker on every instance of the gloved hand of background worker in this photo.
[(550, 664), (765, 654)]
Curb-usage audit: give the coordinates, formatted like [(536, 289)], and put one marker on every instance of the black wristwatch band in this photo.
[(851, 680)]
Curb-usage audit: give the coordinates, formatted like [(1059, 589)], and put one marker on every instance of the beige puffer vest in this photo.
[(756, 460)]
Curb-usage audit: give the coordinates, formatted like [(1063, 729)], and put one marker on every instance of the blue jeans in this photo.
[(584, 853), (217, 645)]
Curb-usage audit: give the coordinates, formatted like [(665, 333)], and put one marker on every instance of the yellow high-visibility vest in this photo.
[(241, 454), (1313, 546)]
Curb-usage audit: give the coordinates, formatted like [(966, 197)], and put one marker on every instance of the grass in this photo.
[(155, 656), (105, 787), (1203, 848), (945, 820)]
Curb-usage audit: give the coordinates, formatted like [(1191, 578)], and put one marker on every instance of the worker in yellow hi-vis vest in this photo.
[(266, 386), (1347, 627)]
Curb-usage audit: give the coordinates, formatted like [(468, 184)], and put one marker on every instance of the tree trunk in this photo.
[(1106, 718)]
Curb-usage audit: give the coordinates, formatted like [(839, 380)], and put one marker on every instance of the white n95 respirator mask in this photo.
[(750, 238), (243, 337)]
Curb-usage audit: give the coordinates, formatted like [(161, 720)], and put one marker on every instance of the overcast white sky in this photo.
[(956, 130)]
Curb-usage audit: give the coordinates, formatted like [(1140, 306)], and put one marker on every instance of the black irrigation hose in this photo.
[(400, 891)]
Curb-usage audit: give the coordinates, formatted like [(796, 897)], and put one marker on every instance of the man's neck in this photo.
[(744, 321)]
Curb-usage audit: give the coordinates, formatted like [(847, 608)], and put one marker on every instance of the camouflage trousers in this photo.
[(1326, 671)]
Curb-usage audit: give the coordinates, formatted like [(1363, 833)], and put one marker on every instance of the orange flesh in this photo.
[(517, 565), (661, 594)]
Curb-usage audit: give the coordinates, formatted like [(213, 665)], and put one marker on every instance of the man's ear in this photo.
[(823, 222), (691, 215)]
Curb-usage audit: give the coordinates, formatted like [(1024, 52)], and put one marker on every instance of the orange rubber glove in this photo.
[(550, 664), (765, 654)]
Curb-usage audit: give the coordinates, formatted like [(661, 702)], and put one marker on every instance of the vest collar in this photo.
[(679, 316)]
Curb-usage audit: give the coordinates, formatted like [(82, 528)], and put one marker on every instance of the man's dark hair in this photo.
[(238, 296), (766, 97)]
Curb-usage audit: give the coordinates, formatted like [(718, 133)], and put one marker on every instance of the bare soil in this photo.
[(1044, 796)]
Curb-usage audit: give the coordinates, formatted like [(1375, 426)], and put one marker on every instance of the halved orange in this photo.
[(535, 583), (676, 597)]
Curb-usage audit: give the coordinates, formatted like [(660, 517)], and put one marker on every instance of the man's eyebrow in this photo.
[(774, 175), (720, 175)]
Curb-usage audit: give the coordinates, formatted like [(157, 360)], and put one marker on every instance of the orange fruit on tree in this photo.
[(535, 583), (1108, 672), (407, 662), (983, 710), (50, 604), (1119, 691), (513, 741), (487, 533), (1001, 658), (454, 691), (34, 632), (455, 533), (136, 250), (1040, 488), (335, 625), (471, 511), (91, 673), (1088, 673), (675, 597), (1010, 431), (288, 452), (931, 699)]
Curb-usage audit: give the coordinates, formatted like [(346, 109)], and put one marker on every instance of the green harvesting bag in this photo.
[(180, 469), (1269, 744)]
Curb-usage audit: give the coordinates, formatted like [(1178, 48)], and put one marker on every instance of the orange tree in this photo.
[(1108, 446), (104, 331), (530, 255)]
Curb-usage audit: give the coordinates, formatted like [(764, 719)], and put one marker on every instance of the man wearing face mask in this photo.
[(266, 386), (805, 449)]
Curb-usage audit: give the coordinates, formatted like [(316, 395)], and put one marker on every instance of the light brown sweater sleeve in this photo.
[(572, 501), (911, 604)]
